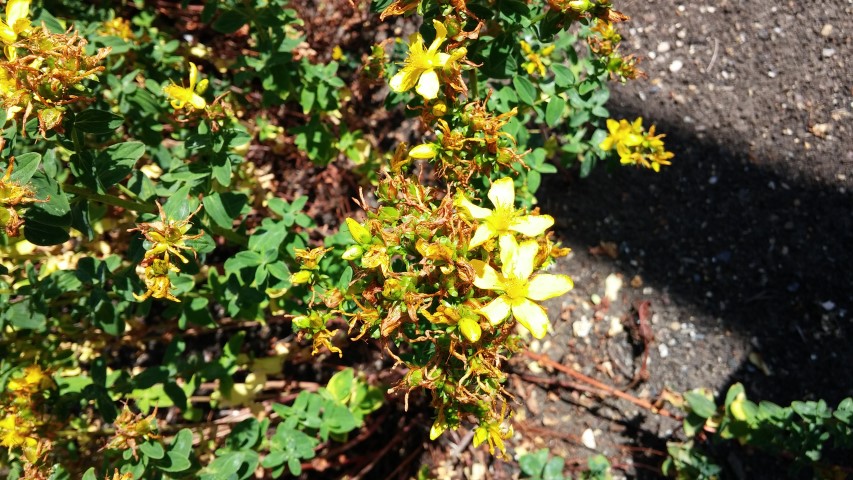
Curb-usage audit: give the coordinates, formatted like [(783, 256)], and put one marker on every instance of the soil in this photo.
[(741, 248)]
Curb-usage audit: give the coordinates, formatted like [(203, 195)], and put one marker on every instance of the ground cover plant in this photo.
[(174, 306)]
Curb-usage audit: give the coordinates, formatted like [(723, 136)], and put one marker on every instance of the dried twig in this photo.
[(604, 388)]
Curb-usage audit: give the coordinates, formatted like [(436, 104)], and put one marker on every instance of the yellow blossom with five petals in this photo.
[(520, 291), (421, 65), (504, 218), (190, 95)]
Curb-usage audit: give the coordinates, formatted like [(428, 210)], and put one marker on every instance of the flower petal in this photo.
[(525, 257), (404, 80), (545, 286), (509, 250), (440, 35), (197, 101), (497, 310), (476, 212), (531, 225), (532, 317), (483, 233), (428, 85), (502, 192), (7, 35), (485, 276), (193, 76), (17, 10)]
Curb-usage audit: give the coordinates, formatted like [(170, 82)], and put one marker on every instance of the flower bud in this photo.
[(358, 233), (439, 109), (352, 253), (470, 328), (424, 151), (300, 277)]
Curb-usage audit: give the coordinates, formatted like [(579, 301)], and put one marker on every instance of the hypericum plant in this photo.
[(804, 433), (439, 280), (142, 214)]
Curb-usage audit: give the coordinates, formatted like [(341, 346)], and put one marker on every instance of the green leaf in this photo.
[(563, 75), (340, 385), (525, 89), (532, 464), (700, 404), (587, 86), (554, 111), (21, 315), (97, 121), (117, 161), (244, 435), (229, 21), (90, 474), (43, 234), (174, 463), (152, 449), (182, 443), (224, 207), (554, 469), (25, 166)]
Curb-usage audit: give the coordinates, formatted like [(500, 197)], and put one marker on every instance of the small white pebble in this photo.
[(588, 439), (582, 327), (663, 47), (827, 52), (615, 327), (826, 30), (675, 66), (663, 350), (612, 285)]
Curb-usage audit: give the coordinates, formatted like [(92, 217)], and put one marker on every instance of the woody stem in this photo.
[(109, 199)]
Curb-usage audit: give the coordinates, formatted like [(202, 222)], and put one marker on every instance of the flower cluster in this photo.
[(132, 429), (19, 425), (636, 146), (167, 238), (536, 61), (12, 196), (42, 72)]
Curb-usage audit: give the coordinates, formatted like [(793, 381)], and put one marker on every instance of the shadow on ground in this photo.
[(736, 239)]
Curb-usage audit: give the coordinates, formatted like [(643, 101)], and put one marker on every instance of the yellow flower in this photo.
[(17, 13), (420, 67), (520, 290), (635, 146), (504, 218), (623, 135), (190, 95), (494, 432), (536, 61), (32, 380), (157, 281)]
